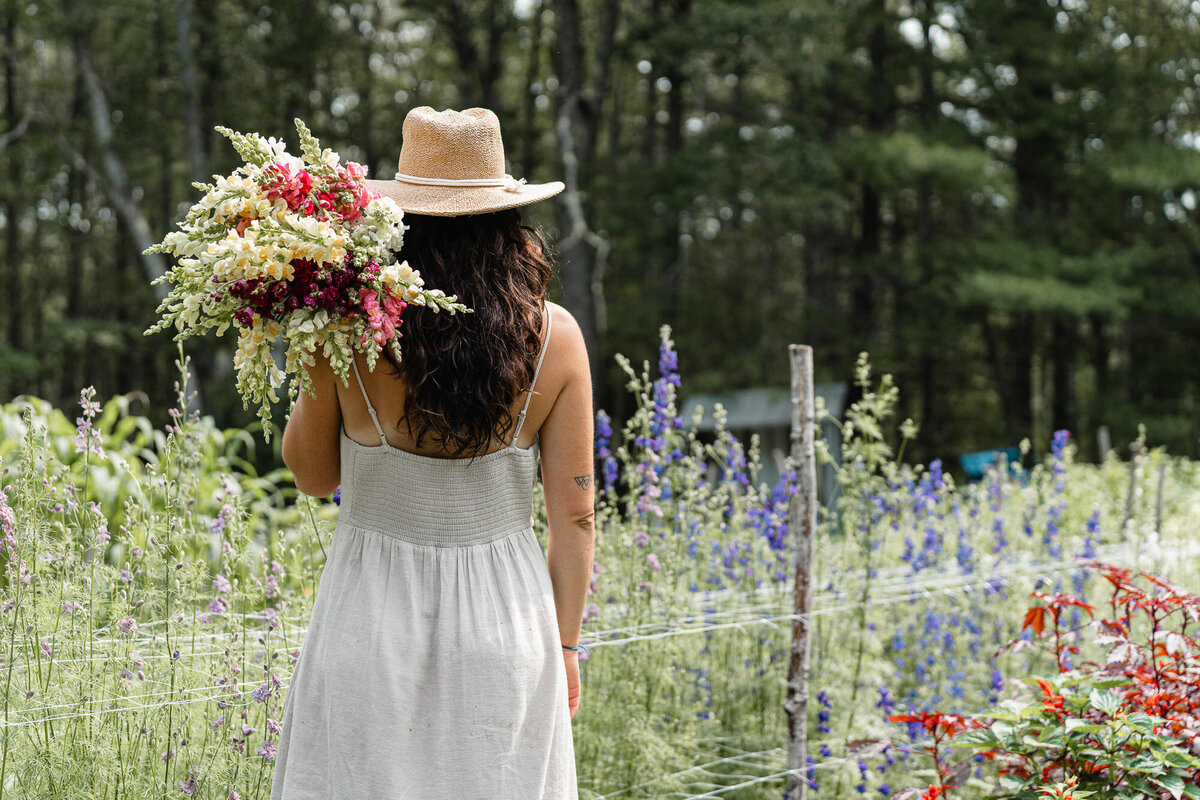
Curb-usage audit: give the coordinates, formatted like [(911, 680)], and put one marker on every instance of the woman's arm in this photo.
[(311, 449), (566, 443)]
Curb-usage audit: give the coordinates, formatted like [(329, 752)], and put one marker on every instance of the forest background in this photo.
[(995, 198)]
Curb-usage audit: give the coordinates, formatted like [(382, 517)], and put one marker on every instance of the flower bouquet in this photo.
[(298, 249)]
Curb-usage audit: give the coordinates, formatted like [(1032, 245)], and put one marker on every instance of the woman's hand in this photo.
[(571, 662)]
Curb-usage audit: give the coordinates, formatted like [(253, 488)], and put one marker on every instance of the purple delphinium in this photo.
[(734, 466), (604, 434), (886, 702), (668, 362), (926, 496), (337, 496), (189, 786), (963, 553)]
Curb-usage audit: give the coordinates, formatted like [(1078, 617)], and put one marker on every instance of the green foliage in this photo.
[(1092, 726)]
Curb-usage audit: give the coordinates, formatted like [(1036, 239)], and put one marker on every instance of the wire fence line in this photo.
[(742, 618), (771, 758)]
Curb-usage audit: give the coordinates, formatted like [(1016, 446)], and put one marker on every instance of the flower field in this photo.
[(156, 589)]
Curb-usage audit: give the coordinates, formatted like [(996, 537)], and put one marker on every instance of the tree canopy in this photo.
[(996, 199)]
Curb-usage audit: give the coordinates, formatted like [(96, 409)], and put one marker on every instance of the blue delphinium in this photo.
[(886, 702), (997, 685), (1056, 509), (823, 714), (1058, 448)]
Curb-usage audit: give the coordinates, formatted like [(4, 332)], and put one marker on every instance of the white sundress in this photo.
[(432, 666)]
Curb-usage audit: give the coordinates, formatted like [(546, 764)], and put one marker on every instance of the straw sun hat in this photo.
[(452, 164)]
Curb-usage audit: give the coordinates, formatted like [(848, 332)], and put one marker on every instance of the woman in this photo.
[(430, 668)]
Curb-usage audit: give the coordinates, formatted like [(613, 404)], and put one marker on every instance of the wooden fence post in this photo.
[(802, 522)]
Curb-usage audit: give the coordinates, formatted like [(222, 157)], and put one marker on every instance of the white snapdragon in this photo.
[(307, 321), (397, 276)]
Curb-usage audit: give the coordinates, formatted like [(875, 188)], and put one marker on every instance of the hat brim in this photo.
[(458, 201)]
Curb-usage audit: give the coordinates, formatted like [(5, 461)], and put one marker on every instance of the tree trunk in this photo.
[(366, 13), (1012, 370), (879, 114), (672, 249), (212, 67), (1099, 357), (119, 192), (295, 62), (529, 97), (72, 373), (583, 251), (933, 432), (117, 186), (1063, 348), (12, 212), (197, 163)]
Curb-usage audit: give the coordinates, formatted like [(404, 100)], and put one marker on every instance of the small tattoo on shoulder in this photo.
[(583, 481)]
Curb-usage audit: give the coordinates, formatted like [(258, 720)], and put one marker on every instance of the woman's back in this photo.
[(442, 501)]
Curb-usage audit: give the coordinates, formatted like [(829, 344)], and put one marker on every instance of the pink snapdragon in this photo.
[(281, 183), (384, 321), (349, 185)]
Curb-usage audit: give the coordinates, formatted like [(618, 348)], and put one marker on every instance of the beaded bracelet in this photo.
[(580, 647)]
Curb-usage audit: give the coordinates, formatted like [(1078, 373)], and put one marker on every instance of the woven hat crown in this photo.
[(452, 163), (451, 144)]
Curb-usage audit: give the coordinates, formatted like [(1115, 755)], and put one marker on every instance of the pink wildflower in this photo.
[(87, 438)]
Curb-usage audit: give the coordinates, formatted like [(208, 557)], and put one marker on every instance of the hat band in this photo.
[(508, 181)]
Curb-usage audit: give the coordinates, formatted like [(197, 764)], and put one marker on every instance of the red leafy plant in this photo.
[(1124, 726)]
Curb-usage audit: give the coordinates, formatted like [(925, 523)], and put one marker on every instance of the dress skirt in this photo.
[(431, 668)]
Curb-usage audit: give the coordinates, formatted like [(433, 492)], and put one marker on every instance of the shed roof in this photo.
[(760, 408)]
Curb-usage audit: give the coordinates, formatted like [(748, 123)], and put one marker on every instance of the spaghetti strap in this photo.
[(370, 408), (536, 371)]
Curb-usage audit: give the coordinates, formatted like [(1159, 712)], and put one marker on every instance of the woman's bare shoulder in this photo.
[(565, 331)]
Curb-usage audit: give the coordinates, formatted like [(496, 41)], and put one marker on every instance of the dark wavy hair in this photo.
[(462, 373)]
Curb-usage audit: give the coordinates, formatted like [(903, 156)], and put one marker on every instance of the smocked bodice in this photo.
[(442, 502)]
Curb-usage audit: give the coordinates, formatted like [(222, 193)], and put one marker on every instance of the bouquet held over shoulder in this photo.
[(297, 249)]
